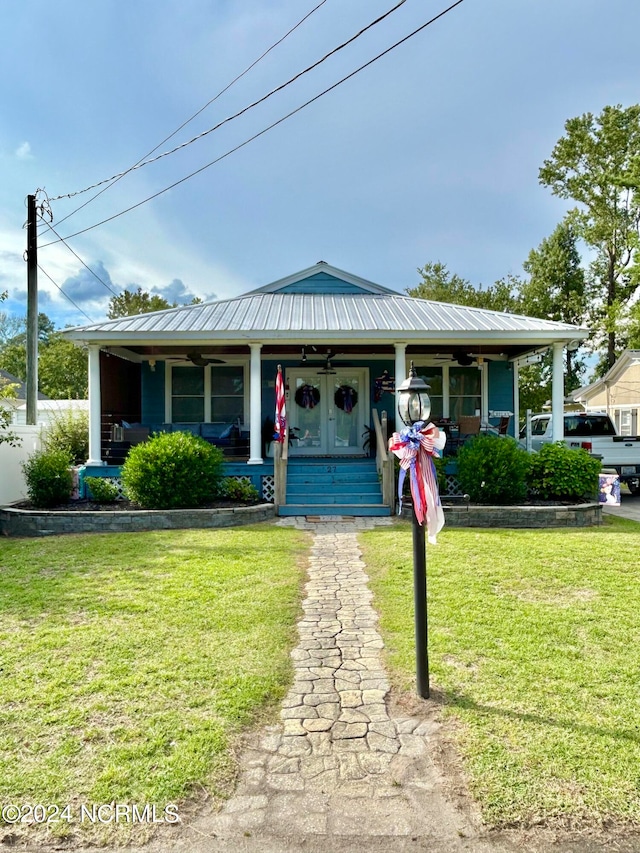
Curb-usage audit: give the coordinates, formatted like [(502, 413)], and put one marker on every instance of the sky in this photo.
[(431, 153)]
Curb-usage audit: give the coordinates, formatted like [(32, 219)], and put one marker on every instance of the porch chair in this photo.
[(469, 426), (503, 426)]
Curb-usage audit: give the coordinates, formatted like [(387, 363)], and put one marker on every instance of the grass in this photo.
[(533, 640), (130, 663)]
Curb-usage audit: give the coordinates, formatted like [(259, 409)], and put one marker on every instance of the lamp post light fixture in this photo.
[(414, 406)]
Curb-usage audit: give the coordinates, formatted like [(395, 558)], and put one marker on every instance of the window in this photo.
[(187, 395), (227, 393), (215, 393), (433, 377), (464, 391)]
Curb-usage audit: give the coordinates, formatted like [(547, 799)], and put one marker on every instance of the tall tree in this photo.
[(139, 301), (440, 285), (595, 164), (63, 369), (62, 366), (557, 289)]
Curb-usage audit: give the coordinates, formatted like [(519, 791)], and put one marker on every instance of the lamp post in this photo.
[(414, 406)]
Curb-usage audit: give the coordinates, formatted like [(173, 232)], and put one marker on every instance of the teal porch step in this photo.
[(333, 486)]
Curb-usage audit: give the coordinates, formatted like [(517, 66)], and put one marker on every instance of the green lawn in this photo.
[(129, 663), (534, 644)]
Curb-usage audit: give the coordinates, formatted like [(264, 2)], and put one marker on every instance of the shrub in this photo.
[(68, 430), (172, 470), (102, 490), (562, 473), (493, 470), (48, 477), (239, 490)]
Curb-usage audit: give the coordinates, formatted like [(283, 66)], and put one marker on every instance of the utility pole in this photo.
[(32, 311)]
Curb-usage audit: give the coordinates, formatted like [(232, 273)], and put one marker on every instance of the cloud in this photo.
[(23, 152), (177, 292), (85, 287)]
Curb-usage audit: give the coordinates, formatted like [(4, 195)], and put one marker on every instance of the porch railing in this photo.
[(280, 460), (384, 459)]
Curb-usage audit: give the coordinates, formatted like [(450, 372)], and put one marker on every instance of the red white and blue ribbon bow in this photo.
[(281, 415), (415, 446)]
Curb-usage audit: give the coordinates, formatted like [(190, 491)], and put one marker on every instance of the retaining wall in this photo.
[(22, 522), (579, 515)]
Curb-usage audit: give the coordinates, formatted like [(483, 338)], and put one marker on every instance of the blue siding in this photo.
[(501, 390), (322, 282), (153, 393)]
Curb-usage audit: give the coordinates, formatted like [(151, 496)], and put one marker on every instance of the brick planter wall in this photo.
[(23, 522), (580, 515)]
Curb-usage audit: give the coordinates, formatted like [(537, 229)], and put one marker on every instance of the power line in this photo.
[(241, 112), (269, 127), (136, 165), (66, 295), (76, 255)]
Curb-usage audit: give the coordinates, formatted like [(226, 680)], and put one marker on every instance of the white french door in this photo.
[(326, 412)]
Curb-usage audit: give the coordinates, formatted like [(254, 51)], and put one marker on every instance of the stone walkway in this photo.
[(339, 773)]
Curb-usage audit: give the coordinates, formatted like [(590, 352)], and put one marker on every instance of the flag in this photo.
[(281, 415)]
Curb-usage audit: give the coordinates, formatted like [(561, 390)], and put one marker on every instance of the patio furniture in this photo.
[(469, 426)]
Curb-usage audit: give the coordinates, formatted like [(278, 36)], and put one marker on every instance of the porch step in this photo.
[(330, 486), (335, 509)]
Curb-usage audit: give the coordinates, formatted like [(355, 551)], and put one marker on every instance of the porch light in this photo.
[(414, 404)]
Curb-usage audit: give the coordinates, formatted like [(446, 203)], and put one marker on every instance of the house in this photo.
[(15, 401), (617, 393), (344, 344)]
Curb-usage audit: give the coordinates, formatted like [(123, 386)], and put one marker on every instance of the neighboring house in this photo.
[(343, 342), (617, 393), (18, 395), (47, 408)]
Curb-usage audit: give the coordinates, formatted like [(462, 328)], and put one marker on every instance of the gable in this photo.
[(322, 282)]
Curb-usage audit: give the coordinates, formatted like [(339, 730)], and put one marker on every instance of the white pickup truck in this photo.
[(596, 433)]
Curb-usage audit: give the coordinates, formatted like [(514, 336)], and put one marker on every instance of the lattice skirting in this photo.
[(267, 489), (453, 487)]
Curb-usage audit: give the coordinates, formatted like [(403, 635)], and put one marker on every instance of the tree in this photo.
[(139, 301), (7, 390), (557, 290), (63, 369), (596, 164), (440, 285)]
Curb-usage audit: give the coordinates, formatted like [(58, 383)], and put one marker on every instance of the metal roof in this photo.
[(273, 313), (276, 312)]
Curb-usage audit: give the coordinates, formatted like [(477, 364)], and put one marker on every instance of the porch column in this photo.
[(255, 397), (95, 407), (401, 374), (557, 392)]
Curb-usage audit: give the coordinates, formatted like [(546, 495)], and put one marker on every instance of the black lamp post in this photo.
[(414, 406)]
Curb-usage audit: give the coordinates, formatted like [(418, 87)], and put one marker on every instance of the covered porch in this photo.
[(344, 345)]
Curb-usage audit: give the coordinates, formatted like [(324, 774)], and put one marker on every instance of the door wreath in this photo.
[(307, 396), (346, 398)]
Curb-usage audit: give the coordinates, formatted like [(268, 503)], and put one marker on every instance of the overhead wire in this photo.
[(75, 254), (269, 127), (66, 295), (241, 112), (238, 77)]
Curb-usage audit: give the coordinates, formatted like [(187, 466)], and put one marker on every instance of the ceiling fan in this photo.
[(463, 358), (200, 361)]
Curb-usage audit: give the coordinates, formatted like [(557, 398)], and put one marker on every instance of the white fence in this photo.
[(12, 485)]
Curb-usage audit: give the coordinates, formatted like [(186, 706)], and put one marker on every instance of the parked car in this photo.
[(595, 432)]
